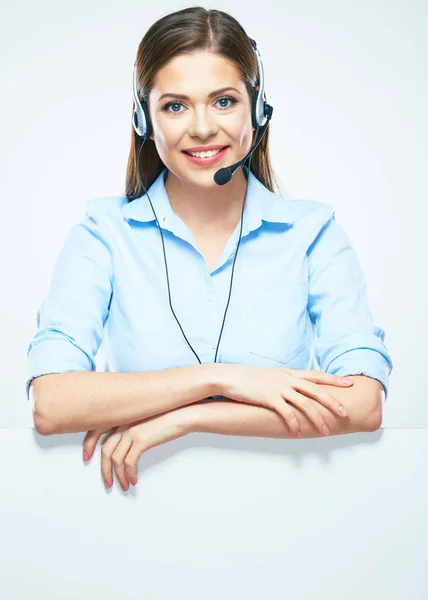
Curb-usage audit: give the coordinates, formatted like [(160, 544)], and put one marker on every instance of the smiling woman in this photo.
[(201, 112), (297, 280), (197, 71)]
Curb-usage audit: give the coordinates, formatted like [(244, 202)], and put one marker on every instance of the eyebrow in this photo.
[(183, 97)]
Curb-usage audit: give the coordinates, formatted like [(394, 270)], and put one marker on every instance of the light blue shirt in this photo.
[(298, 295)]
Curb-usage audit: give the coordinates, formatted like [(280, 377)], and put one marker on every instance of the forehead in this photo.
[(191, 73)]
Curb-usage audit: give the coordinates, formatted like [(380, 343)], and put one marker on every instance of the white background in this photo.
[(348, 83)]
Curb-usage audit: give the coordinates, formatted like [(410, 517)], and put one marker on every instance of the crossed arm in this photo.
[(115, 399), (363, 402)]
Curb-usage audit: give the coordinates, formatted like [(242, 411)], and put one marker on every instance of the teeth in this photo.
[(205, 154)]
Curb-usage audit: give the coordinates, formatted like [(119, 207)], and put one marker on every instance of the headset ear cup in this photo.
[(149, 128), (253, 110)]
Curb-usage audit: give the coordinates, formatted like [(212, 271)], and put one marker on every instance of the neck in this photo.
[(215, 207)]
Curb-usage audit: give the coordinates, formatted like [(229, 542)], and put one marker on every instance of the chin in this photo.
[(204, 176)]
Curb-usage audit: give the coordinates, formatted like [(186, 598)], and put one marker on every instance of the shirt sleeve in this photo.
[(70, 319), (348, 342)]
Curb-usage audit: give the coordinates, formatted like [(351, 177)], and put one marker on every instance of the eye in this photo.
[(166, 106), (232, 100)]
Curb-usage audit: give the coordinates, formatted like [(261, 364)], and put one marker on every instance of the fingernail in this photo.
[(347, 380), (85, 455), (342, 411)]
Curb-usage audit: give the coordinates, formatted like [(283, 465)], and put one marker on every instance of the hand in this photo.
[(277, 388), (125, 444)]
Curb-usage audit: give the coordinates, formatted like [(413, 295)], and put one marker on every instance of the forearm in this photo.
[(81, 400), (235, 418)]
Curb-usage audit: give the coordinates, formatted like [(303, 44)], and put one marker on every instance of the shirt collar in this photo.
[(261, 204)]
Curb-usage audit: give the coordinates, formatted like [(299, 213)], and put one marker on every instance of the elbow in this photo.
[(42, 424), (367, 395), (373, 420)]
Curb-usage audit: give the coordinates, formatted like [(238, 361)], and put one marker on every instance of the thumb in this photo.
[(90, 441)]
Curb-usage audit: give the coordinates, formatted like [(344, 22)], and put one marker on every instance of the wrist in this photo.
[(217, 374), (187, 418)]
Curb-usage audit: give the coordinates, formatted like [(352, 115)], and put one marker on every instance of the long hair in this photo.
[(183, 32)]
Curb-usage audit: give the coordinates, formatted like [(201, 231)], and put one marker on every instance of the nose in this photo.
[(203, 124)]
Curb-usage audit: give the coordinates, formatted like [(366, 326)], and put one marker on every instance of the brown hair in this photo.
[(183, 32)]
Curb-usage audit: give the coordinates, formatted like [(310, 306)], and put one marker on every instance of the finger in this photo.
[(118, 459), (308, 407), (90, 442), (311, 390), (131, 461), (107, 450), (322, 377), (288, 414), (331, 379)]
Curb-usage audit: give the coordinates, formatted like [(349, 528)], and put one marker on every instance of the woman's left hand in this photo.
[(125, 444)]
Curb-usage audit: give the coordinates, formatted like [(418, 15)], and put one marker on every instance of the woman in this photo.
[(153, 276)]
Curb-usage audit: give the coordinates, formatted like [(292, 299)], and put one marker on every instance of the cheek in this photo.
[(168, 132), (168, 136), (240, 132), (247, 137)]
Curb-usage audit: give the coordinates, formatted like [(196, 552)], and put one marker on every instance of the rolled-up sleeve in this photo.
[(348, 342), (70, 319)]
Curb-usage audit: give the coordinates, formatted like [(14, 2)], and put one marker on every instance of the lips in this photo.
[(220, 148), (206, 162)]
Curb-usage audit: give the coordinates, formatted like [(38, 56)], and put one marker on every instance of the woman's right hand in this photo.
[(281, 388)]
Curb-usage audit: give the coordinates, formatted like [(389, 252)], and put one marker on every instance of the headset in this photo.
[(261, 113)]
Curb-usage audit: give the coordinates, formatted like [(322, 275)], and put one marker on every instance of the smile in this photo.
[(207, 158)]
